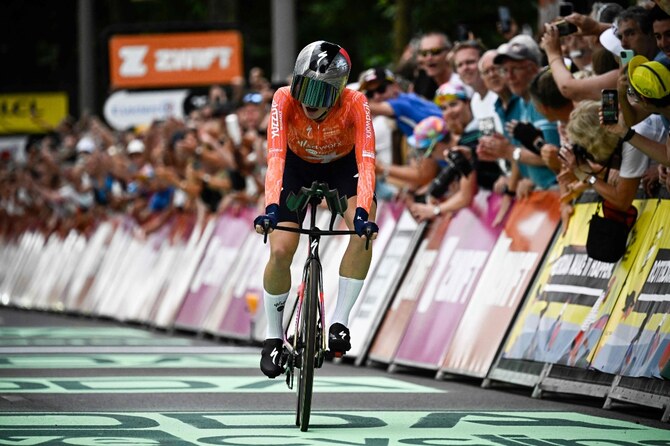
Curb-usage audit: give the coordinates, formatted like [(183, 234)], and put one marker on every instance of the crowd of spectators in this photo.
[(450, 119), (527, 115)]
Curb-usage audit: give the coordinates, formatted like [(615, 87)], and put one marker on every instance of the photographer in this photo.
[(602, 153), (462, 174)]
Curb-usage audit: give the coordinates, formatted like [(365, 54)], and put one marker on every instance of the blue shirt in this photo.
[(410, 109), (522, 111)]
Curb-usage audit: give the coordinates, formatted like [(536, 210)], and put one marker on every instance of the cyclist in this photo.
[(319, 130)]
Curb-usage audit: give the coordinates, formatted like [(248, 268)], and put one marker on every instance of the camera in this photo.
[(457, 166), (565, 28), (582, 154)]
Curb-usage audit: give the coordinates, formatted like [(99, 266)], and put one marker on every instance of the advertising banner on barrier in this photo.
[(387, 218), (463, 252), (246, 296), (397, 317), (166, 306), (636, 339), (230, 232), (509, 270), (88, 265), (394, 256), (573, 295)]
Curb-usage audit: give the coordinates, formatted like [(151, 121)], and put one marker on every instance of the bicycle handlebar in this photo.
[(314, 195)]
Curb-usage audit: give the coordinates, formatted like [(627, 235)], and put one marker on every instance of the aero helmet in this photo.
[(320, 74)]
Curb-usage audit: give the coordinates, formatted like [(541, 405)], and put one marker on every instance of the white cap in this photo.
[(135, 146), (86, 145), (610, 41)]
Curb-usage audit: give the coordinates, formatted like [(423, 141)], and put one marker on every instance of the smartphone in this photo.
[(462, 32), (565, 9), (625, 56), (505, 19), (565, 28), (610, 106), (487, 126)]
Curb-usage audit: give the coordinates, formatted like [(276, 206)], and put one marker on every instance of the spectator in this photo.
[(424, 162), (520, 60), (387, 99), (603, 152), (460, 148), (434, 65), (648, 87), (571, 86), (466, 56), (495, 82)]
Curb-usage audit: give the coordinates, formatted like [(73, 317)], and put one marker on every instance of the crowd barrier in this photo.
[(520, 303)]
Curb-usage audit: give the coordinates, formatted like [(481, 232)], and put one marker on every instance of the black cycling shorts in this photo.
[(341, 174)]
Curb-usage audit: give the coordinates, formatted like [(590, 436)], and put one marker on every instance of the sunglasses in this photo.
[(252, 98), (432, 51), (371, 93)]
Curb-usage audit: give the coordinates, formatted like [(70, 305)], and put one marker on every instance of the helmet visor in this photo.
[(313, 92)]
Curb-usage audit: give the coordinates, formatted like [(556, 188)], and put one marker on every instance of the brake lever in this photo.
[(266, 226), (368, 234)]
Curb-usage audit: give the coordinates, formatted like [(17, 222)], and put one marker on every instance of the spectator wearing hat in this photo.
[(644, 97), (520, 60), (424, 160), (386, 98), (454, 99), (636, 110)]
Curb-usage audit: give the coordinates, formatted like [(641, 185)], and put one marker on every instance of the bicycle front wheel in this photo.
[(309, 337)]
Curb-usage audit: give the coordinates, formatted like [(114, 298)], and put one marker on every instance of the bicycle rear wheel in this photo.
[(309, 337)]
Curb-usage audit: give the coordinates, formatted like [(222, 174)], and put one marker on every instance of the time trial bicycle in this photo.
[(305, 349)]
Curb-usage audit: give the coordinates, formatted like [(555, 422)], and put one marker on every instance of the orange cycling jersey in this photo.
[(347, 127)]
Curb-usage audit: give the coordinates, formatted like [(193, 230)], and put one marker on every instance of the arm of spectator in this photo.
[(650, 181), (102, 131), (496, 146), (630, 113), (381, 108), (413, 176), (467, 187), (571, 88), (653, 149), (507, 199), (221, 156), (620, 191), (664, 176), (586, 25), (524, 188), (549, 154)]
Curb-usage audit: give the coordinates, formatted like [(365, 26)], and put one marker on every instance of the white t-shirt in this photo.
[(633, 162), (485, 108)]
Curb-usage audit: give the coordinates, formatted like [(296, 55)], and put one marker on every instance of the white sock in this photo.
[(274, 310), (346, 298)]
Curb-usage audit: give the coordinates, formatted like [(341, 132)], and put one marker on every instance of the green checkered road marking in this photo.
[(139, 360), (208, 384), (83, 336), (439, 428)]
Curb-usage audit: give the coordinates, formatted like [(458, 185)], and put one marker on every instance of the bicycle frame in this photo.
[(308, 348)]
